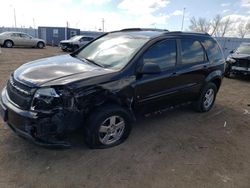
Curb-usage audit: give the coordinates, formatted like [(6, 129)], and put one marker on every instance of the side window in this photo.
[(24, 36), (87, 39), (191, 51), (15, 35), (213, 50), (162, 53)]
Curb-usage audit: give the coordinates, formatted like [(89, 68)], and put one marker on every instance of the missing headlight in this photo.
[(46, 99)]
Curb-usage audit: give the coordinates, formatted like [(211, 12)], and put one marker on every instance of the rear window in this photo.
[(213, 50)]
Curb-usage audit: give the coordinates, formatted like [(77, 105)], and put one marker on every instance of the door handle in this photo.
[(174, 74)]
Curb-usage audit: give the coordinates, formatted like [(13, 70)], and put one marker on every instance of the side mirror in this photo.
[(231, 52), (150, 68)]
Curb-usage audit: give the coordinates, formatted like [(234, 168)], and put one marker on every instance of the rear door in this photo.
[(191, 69)]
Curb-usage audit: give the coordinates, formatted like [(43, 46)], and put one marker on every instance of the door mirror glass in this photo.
[(150, 68)]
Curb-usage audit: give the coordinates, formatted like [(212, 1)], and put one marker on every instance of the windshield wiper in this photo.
[(88, 60), (91, 61)]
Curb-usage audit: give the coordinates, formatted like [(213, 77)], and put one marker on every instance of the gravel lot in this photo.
[(179, 148)]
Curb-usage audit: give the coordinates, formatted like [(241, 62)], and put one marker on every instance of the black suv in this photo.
[(238, 62), (103, 86)]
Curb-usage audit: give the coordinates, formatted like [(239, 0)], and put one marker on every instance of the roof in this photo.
[(153, 33)]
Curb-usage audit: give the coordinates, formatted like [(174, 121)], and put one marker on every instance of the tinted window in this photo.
[(191, 51), (213, 50), (162, 53), (86, 39)]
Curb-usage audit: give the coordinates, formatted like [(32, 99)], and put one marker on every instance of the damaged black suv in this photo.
[(103, 86), (238, 62)]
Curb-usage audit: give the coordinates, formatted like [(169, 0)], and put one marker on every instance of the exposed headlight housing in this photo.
[(230, 60), (46, 99)]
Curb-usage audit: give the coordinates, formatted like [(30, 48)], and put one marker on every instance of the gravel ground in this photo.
[(178, 148)]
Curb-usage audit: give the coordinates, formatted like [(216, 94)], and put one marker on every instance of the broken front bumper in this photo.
[(240, 70), (32, 126)]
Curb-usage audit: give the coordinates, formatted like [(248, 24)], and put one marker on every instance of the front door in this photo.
[(155, 91)]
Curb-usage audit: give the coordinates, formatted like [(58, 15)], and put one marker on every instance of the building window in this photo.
[(55, 32)]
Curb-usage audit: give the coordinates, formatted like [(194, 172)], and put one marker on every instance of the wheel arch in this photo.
[(215, 77)]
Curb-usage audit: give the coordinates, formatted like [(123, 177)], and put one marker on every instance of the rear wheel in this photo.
[(40, 45), (107, 127), (206, 99), (8, 44)]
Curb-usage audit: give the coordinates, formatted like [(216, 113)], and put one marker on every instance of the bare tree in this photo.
[(243, 29), (225, 26), (215, 24), (200, 25)]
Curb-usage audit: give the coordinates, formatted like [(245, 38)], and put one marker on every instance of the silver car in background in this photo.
[(10, 39), (75, 42)]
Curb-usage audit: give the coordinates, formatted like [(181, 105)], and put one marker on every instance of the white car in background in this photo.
[(10, 39), (75, 42)]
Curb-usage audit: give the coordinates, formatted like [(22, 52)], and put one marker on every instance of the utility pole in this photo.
[(15, 16), (103, 25), (67, 25), (183, 17)]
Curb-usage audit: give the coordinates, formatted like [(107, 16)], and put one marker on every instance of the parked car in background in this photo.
[(238, 62), (10, 39), (105, 85), (75, 42)]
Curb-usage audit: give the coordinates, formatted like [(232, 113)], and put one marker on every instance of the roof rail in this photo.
[(143, 29), (194, 32)]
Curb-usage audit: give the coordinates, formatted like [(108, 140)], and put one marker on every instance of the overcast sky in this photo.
[(118, 14)]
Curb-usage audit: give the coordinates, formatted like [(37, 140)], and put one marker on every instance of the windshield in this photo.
[(244, 49), (75, 38), (113, 50)]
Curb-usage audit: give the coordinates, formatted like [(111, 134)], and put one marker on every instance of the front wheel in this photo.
[(107, 127), (206, 99)]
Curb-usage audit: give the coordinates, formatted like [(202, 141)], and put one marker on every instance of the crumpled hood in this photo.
[(44, 71)]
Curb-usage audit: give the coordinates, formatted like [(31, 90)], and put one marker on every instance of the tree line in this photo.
[(219, 26)]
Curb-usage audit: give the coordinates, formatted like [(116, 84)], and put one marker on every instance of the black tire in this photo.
[(200, 105), (40, 45), (95, 121), (8, 44)]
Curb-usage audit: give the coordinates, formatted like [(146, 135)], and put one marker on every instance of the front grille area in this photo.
[(242, 63), (19, 94)]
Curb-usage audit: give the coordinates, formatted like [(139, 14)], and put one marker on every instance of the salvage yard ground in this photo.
[(178, 148)]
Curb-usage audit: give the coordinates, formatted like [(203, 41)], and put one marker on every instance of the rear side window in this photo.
[(213, 50), (191, 51), (162, 53)]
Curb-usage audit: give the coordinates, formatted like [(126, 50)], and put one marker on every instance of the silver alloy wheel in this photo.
[(8, 44), (111, 130), (209, 98)]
